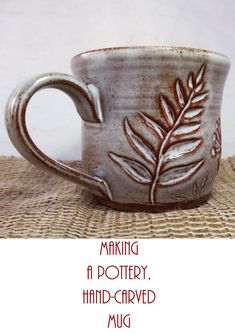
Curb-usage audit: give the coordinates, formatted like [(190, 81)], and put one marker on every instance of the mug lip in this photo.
[(190, 50)]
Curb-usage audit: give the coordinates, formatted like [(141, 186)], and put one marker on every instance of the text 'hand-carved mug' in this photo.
[(151, 124)]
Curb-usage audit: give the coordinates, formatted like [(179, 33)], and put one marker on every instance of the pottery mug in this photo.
[(151, 124)]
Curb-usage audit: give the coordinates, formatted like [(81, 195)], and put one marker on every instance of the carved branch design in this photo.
[(174, 142)]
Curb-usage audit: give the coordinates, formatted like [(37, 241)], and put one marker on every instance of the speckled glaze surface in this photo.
[(151, 124)]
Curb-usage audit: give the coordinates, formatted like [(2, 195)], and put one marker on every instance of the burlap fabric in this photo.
[(34, 204)]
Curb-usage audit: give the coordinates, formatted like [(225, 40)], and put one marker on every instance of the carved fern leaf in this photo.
[(180, 93), (167, 110), (138, 144), (193, 112), (199, 87), (199, 98), (191, 80), (132, 168), (186, 129), (200, 74), (181, 148), (154, 126), (178, 174)]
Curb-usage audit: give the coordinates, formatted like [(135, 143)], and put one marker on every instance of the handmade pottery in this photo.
[(151, 124)]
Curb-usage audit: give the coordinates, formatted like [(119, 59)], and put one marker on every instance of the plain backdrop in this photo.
[(42, 35)]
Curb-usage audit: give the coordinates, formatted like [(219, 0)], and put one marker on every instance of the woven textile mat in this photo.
[(34, 204)]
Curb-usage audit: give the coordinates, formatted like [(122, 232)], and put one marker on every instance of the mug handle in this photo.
[(87, 103)]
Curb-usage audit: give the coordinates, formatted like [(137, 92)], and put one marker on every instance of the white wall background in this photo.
[(42, 35)]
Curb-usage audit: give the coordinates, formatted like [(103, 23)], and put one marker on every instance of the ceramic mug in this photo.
[(151, 124)]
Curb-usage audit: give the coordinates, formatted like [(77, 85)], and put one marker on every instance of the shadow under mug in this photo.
[(151, 124)]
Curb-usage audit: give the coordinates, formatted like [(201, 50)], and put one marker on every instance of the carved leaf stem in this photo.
[(191, 99)]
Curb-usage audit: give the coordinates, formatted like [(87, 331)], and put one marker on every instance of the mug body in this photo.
[(159, 143)]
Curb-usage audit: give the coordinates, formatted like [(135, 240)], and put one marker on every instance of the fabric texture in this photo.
[(35, 204)]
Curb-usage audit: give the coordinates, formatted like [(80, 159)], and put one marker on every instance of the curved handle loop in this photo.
[(86, 100)]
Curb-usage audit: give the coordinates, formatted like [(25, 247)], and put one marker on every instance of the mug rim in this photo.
[(154, 47)]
